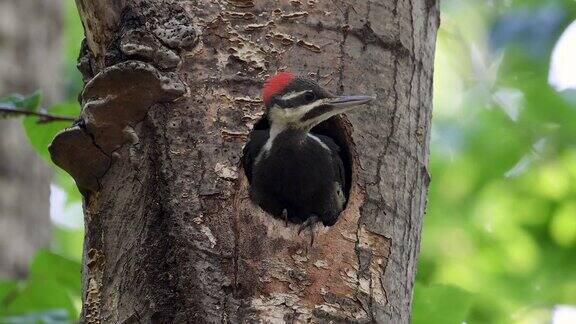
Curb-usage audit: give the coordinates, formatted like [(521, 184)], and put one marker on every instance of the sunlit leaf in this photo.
[(50, 266), (6, 289), (440, 304), (38, 296), (521, 253), (553, 181), (563, 225)]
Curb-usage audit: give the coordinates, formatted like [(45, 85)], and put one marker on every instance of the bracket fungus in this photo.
[(117, 97), (74, 151)]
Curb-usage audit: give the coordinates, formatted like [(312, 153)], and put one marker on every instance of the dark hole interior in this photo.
[(335, 129)]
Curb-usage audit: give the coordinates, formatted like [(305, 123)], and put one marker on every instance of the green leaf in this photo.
[(6, 289), (17, 101), (41, 135), (563, 225), (50, 266), (440, 304), (40, 296), (68, 242), (49, 295), (32, 102)]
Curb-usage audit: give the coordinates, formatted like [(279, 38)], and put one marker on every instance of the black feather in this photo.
[(300, 177), (255, 143)]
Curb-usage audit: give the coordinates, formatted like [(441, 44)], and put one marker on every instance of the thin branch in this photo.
[(44, 117)]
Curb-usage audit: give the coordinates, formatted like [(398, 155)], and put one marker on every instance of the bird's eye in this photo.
[(309, 96)]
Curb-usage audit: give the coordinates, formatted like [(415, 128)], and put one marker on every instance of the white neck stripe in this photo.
[(274, 131), (317, 139)]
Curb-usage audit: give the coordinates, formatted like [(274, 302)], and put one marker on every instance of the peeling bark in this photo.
[(171, 233)]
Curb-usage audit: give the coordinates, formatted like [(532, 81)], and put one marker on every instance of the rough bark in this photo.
[(30, 52), (172, 91)]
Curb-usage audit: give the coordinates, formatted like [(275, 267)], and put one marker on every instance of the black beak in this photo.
[(350, 101), (334, 106)]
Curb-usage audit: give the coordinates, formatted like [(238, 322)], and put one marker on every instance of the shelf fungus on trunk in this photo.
[(117, 97), (134, 66)]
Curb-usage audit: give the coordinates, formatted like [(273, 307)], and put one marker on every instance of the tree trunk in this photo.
[(172, 91), (30, 52)]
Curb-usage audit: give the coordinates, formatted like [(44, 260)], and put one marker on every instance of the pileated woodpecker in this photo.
[(293, 173)]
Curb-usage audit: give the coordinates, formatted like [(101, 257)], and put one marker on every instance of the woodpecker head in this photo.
[(296, 102)]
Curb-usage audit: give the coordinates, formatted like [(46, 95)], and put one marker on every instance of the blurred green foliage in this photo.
[(501, 218), (439, 303), (73, 33), (51, 292), (17, 101), (499, 237)]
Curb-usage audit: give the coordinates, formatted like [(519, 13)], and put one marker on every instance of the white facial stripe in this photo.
[(292, 95), (293, 115)]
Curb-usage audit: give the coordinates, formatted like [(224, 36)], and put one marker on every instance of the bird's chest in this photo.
[(301, 168)]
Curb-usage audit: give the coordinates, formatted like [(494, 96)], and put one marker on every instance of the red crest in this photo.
[(275, 84)]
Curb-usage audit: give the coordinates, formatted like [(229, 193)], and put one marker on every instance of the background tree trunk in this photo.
[(30, 51), (172, 91)]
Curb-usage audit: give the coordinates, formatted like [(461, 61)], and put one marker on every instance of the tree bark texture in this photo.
[(172, 90), (30, 51)]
